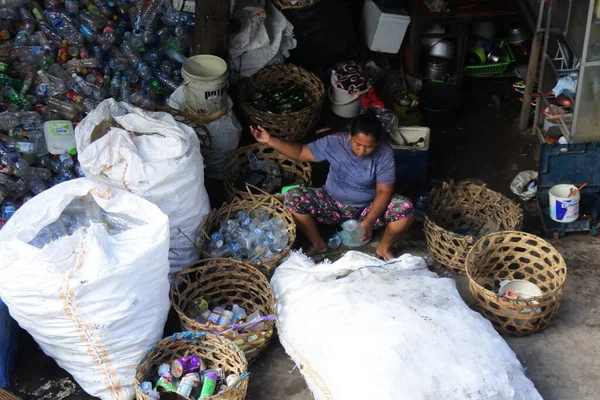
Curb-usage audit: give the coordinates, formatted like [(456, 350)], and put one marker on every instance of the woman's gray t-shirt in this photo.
[(352, 180)]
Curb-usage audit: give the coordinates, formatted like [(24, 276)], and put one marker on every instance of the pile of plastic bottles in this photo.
[(80, 214), (251, 236), (265, 174), (59, 59)]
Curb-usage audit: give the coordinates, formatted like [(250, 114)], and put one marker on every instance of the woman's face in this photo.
[(362, 145)]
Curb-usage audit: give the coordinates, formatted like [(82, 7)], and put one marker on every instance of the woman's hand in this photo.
[(367, 228), (260, 134)]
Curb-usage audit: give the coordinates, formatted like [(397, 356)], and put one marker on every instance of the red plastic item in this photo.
[(371, 99)]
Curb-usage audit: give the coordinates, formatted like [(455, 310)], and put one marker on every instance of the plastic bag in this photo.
[(151, 155), (226, 133), (520, 183), (94, 302), (390, 331), (264, 37), (8, 345)]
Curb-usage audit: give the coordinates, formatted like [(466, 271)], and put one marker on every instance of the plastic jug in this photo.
[(59, 136)]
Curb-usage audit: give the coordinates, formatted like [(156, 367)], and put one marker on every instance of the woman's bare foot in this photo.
[(316, 249), (386, 254)]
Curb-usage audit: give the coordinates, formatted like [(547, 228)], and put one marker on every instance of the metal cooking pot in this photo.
[(494, 56), (443, 49), (436, 68), (518, 34)]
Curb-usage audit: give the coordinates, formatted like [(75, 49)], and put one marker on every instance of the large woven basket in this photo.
[(509, 256), (236, 166), (215, 352), (294, 4), (225, 282), (4, 395), (456, 210), (291, 126), (266, 203), (192, 121)]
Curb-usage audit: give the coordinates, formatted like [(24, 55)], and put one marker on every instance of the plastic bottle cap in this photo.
[(73, 151)]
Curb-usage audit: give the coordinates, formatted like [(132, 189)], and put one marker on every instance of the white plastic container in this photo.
[(59, 136), (205, 85), (349, 108), (383, 30), (562, 207)]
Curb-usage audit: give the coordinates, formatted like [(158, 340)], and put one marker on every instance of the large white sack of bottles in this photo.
[(362, 328), (154, 156), (85, 271)]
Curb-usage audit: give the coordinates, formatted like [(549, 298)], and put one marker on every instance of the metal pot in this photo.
[(443, 49), (518, 34), (494, 56), (436, 68), (433, 29)]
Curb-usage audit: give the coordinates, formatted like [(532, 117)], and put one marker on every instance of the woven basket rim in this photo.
[(195, 267), (559, 288)]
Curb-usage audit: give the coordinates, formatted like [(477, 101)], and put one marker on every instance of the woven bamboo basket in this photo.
[(4, 395), (225, 282), (509, 256), (192, 121), (236, 166), (456, 209), (294, 4), (267, 203), (291, 126), (215, 352)]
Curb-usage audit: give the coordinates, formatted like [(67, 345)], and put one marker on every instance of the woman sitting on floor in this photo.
[(360, 184)]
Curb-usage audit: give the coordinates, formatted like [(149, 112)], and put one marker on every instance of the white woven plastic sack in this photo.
[(92, 301), (151, 155), (361, 328)]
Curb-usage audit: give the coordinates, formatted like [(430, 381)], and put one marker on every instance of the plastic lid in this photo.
[(73, 151)]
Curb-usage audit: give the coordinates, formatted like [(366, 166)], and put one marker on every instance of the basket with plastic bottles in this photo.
[(233, 285), (258, 230)]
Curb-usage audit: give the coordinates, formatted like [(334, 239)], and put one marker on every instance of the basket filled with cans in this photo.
[(458, 214), (262, 167), (284, 99), (229, 298), (258, 230), (198, 365)]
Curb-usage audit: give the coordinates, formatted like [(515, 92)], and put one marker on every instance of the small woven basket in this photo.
[(292, 126), (510, 256), (192, 121), (236, 166), (225, 282), (267, 203), (464, 207), (215, 352), (4, 395), (294, 4)]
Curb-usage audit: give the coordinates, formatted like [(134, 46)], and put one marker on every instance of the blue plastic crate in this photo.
[(412, 161), (570, 164)]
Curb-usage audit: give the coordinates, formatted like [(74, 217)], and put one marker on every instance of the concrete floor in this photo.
[(563, 361)]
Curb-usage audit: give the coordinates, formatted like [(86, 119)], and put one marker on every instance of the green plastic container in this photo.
[(492, 69)]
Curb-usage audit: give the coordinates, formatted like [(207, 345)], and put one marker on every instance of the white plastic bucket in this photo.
[(562, 207), (205, 85), (345, 109)]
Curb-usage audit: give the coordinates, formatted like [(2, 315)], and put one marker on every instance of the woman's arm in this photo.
[(295, 151), (384, 194)]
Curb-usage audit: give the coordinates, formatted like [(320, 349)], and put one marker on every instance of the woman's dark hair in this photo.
[(368, 124)]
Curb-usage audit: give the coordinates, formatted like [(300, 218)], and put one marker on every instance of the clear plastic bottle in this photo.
[(89, 104), (8, 13), (12, 119), (88, 33), (88, 19), (92, 210), (115, 85), (63, 106), (53, 38), (142, 69), (149, 14), (67, 158), (90, 63), (168, 82), (50, 233), (64, 27), (107, 38), (72, 7), (124, 90), (8, 209), (34, 183), (82, 87), (117, 61), (60, 73), (171, 17), (121, 222)]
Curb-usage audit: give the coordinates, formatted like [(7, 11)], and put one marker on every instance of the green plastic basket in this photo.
[(492, 69)]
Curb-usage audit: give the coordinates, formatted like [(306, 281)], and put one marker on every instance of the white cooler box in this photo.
[(383, 30)]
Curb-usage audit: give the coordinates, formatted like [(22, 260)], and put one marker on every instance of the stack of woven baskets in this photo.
[(455, 214)]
